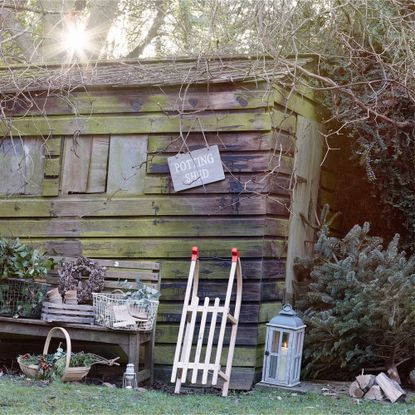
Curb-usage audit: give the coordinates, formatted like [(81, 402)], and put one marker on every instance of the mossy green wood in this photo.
[(264, 270), (247, 334), (88, 206), (173, 290), (213, 269), (171, 312), (50, 187), (141, 124), (53, 164), (142, 100), (295, 102), (235, 163), (244, 356), (53, 146), (303, 90), (284, 120), (52, 167), (240, 183), (227, 141), (162, 247), (145, 227), (268, 310), (262, 330)]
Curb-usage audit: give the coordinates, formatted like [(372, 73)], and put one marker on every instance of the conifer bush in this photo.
[(360, 305)]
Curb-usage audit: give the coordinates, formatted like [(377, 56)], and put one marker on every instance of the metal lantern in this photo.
[(129, 378), (283, 348)]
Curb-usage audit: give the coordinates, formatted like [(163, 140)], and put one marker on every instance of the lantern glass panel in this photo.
[(299, 344), (275, 341), (285, 338), (272, 372), (283, 358), (296, 368)]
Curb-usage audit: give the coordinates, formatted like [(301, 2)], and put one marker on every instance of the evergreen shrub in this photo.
[(360, 304)]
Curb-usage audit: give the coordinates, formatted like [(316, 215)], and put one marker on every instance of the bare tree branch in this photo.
[(21, 35), (370, 111), (101, 16), (153, 31)]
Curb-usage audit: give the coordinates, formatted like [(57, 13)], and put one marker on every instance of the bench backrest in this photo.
[(120, 274)]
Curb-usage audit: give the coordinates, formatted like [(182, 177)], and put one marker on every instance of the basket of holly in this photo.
[(66, 366)]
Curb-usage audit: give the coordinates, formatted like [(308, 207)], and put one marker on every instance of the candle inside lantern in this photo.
[(282, 361)]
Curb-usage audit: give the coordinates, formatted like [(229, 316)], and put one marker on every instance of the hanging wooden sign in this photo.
[(196, 168)]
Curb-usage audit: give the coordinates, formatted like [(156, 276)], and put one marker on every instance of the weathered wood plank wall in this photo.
[(105, 192)]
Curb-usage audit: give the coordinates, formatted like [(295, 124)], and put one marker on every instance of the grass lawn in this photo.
[(21, 396)]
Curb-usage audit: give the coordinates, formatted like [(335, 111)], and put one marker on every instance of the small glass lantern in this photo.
[(129, 378), (283, 348)]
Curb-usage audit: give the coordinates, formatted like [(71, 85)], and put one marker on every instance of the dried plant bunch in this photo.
[(83, 275)]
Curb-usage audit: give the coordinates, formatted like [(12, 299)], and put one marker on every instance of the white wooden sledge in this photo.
[(184, 360)]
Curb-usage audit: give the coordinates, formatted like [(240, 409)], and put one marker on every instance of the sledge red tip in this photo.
[(195, 253), (235, 254)]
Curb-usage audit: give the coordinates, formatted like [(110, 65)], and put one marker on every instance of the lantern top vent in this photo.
[(287, 318)]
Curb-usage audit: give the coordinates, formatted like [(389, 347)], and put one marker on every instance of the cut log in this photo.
[(390, 388), (374, 393), (393, 374), (365, 381), (355, 391)]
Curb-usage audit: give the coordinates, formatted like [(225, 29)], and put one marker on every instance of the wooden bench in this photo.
[(118, 273)]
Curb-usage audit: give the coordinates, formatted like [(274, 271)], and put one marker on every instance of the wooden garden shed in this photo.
[(83, 170)]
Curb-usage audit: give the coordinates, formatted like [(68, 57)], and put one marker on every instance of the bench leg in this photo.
[(146, 374), (134, 350), (148, 359)]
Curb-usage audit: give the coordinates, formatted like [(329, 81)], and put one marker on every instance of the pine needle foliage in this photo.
[(360, 307)]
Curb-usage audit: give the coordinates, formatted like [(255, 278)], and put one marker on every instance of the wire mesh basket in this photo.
[(22, 298), (117, 312)]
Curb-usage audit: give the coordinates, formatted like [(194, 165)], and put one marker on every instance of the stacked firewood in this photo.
[(378, 388)]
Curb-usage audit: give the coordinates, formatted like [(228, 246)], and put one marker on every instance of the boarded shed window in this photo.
[(127, 165), (21, 166), (85, 164)]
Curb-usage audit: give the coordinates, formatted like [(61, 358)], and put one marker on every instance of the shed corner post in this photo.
[(306, 179)]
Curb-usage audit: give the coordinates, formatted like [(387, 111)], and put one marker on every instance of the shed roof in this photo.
[(145, 73)]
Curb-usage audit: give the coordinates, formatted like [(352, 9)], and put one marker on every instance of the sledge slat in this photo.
[(210, 340), (200, 339), (188, 340)]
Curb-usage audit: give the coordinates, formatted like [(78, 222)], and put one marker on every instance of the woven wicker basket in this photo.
[(70, 374), (29, 370)]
